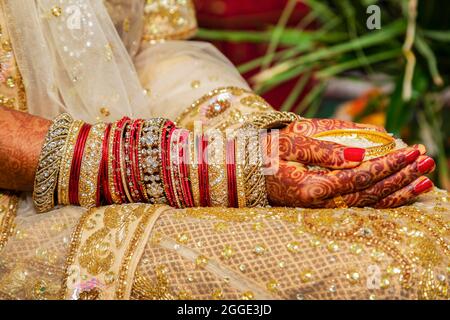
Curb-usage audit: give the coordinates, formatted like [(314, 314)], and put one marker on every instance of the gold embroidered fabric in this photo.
[(168, 20), (281, 253), (223, 108), (12, 90), (8, 208), (106, 246), (148, 252), (216, 253)]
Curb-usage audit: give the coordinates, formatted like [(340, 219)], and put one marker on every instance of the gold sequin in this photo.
[(56, 11), (227, 252), (306, 276), (195, 84), (201, 261), (293, 247), (248, 295)]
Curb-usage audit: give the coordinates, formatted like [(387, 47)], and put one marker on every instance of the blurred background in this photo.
[(380, 62)]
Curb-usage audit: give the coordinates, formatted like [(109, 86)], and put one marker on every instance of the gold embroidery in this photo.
[(8, 209), (222, 108), (101, 252), (145, 289), (416, 242), (12, 90), (168, 20)]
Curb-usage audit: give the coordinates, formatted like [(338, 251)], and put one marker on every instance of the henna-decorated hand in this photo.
[(389, 181)]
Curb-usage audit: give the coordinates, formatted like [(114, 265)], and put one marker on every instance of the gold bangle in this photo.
[(217, 172), (172, 164), (46, 177), (255, 182), (241, 141), (271, 120), (387, 143), (112, 190), (66, 164), (340, 202), (90, 166), (193, 169)]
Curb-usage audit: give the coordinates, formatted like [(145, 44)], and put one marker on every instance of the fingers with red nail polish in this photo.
[(294, 147), (385, 187), (407, 194), (426, 165), (354, 154)]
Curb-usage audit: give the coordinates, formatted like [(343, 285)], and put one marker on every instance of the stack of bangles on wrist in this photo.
[(147, 161)]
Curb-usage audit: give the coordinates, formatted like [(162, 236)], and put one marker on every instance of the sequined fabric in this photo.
[(280, 253)]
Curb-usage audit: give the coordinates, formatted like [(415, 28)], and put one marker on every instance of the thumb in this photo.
[(294, 147)]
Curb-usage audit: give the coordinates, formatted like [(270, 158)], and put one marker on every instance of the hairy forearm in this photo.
[(21, 139)]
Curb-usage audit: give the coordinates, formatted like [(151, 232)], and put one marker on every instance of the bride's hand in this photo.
[(389, 181)]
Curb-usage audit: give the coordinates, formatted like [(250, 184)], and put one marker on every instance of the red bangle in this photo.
[(203, 176), (117, 144), (231, 173), (167, 131), (130, 161), (103, 189), (76, 164)]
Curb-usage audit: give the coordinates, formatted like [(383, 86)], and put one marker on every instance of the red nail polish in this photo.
[(354, 154), (423, 186), (412, 156), (425, 165)]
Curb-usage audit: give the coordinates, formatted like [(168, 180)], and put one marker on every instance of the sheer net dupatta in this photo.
[(73, 60)]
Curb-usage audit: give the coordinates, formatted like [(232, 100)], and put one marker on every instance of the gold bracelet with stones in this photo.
[(90, 166), (66, 162), (46, 177), (217, 172), (255, 182), (125, 130), (150, 146)]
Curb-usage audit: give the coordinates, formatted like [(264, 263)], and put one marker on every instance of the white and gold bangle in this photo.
[(90, 166), (217, 172), (255, 182), (46, 177), (150, 155)]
